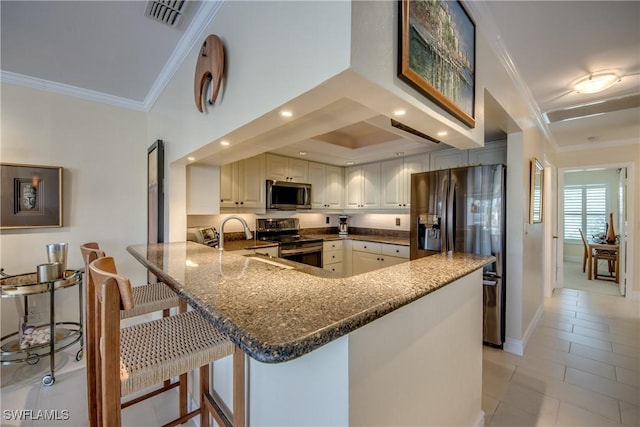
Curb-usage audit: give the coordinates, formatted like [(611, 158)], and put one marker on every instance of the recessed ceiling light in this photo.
[(225, 143), (302, 153), (400, 112), (442, 133), (595, 83), (286, 113), (350, 162), (399, 153), (191, 158)]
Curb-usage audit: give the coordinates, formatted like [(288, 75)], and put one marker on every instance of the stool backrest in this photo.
[(90, 252), (104, 273)]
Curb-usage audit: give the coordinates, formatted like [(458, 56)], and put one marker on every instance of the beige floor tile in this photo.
[(627, 332), (510, 416), (602, 385), (489, 405), (578, 362), (578, 396), (557, 324), (543, 367), (571, 415), (627, 350), (627, 376), (575, 338), (495, 378), (605, 356), (630, 414), (532, 402), (549, 342)]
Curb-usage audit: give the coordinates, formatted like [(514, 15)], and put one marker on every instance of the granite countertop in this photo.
[(236, 245), (276, 314)]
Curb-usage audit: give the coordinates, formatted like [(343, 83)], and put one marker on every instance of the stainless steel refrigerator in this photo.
[(463, 210)]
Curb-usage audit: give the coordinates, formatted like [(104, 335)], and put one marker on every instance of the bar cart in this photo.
[(18, 347)]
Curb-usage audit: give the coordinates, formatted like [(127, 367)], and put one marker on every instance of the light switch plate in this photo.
[(398, 222)]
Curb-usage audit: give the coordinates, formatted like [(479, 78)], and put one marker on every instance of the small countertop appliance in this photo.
[(343, 227)]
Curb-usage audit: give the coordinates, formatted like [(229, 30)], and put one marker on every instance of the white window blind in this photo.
[(585, 207)]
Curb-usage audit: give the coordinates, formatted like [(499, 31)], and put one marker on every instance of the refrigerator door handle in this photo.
[(444, 225), (450, 214)]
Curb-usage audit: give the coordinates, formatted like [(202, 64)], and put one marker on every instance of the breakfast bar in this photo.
[(399, 345)]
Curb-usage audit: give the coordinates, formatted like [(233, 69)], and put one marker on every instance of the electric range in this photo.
[(291, 245)]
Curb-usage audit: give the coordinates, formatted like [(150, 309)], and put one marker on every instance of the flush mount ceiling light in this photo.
[(302, 153), (400, 112), (225, 143), (595, 83), (286, 113)]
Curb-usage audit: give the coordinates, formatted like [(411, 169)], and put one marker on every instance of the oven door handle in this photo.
[(300, 251)]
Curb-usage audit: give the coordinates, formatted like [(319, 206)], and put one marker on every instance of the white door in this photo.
[(622, 229)]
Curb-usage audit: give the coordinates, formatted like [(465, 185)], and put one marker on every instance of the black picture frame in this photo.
[(155, 197), (30, 196), (155, 193), (436, 54)]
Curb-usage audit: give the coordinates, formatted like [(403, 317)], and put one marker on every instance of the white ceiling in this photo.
[(111, 51)]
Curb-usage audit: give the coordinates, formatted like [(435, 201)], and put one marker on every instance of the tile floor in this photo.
[(581, 368)]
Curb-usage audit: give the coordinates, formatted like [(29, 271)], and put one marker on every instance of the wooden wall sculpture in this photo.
[(209, 68)]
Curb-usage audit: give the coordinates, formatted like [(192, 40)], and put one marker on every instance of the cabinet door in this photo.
[(371, 185), (392, 183), (203, 191), (353, 187), (388, 261), (334, 190), (277, 168), (229, 185), (252, 182), (363, 262), (490, 154), (413, 164), (298, 170), (446, 159), (318, 181)]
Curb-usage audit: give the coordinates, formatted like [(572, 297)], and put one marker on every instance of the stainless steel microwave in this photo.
[(288, 195)]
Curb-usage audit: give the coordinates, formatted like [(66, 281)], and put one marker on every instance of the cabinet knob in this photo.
[(381, 259), (399, 204), (365, 247), (242, 203), (236, 203), (377, 259), (397, 250)]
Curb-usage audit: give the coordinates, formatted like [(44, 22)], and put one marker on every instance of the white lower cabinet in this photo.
[(370, 256), (332, 256)]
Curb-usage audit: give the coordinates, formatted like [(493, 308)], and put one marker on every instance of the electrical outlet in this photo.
[(326, 221), (398, 222)]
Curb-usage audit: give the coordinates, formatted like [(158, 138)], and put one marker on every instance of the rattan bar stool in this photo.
[(139, 356), (146, 298)]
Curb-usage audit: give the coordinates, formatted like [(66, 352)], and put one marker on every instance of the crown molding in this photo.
[(488, 27), (68, 90), (201, 20), (208, 10)]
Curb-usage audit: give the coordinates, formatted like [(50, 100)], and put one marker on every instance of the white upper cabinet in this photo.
[(395, 181), (202, 190), (242, 184), (327, 186), (450, 158), (491, 154), (280, 168), (362, 186)]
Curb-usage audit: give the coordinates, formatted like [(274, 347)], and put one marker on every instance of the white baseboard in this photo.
[(517, 346), (480, 420), (633, 295)]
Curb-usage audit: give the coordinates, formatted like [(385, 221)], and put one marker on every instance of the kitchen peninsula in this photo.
[(400, 345)]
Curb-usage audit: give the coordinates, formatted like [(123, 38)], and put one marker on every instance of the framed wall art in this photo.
[(30, 196), (155, 197), (437, 44), (537, 186)]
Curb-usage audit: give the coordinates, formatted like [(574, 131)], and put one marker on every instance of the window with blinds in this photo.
[(585, 207)]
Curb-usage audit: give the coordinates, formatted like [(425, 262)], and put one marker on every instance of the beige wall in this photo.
[(103, 152), (612, 155)]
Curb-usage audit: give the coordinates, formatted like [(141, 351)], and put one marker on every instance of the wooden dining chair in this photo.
[(137, 357), (146, 299), (609, 256), (585, 254)]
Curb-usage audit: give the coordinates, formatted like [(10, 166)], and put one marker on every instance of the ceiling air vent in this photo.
[(593, 109), (166, 11)]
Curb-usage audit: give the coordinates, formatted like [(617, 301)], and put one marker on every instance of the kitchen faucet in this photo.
[(247, 232)]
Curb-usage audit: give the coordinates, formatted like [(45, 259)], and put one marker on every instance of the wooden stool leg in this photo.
[(238, 388), (204, 390), (182, 391)]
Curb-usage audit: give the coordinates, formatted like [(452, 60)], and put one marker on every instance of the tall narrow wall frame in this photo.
[(155, 195)]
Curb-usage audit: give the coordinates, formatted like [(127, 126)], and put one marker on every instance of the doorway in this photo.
[(588, 201)]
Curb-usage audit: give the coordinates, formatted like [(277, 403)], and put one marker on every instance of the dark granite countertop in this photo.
[(275, 313)]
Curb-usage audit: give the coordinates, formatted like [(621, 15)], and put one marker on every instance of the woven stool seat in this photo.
[(150, 298), (155, 351)]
